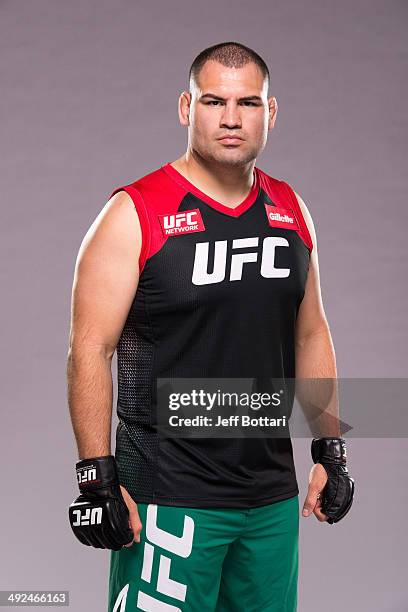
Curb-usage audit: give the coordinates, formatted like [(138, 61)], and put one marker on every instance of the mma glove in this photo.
[(99, 516), (338, 493)]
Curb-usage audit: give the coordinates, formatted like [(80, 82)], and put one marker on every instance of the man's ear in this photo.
[(184, 107), (273, 110)]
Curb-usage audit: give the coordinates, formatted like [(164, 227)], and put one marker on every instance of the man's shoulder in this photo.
[(269, 182), (265, 176), (273, 186), (156, 190), (152, 180), (281, 191)]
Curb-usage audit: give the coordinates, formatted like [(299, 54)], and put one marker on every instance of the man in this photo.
[(205, 268)]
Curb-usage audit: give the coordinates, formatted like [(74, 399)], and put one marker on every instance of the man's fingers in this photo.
[(318, 512), (317, 481), (313, 504)]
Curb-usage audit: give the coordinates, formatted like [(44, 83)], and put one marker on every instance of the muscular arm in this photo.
[(314, 353), (105, 282)]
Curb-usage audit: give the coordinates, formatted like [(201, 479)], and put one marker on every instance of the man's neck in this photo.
[(229, 185)]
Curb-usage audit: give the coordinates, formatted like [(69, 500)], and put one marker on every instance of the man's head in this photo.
[(228, 96)]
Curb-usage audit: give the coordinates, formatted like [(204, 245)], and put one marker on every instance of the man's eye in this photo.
[(217, 102)]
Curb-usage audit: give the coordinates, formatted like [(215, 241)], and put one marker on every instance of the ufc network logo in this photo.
[(87, 516), (267, 267), (177, 545), (182, 222)]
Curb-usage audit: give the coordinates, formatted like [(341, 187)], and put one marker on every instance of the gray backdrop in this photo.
[(89, 101)]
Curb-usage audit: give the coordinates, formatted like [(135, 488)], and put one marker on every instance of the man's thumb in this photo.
[(310, 503), (135, 523), (134, 518)]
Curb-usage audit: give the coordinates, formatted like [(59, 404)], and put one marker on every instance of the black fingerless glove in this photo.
[(337, 495), (99, 516)]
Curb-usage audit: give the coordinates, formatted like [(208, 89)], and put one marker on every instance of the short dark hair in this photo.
[(231, 54)]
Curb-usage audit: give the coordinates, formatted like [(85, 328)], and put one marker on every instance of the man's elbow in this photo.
[(84, 348), (321, 327)]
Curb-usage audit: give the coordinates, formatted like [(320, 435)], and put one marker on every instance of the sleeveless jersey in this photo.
[(218, 296)]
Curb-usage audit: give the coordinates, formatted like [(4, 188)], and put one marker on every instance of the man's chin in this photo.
[(232, 158)]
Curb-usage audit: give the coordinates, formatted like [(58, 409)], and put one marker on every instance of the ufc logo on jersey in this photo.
[(182, 222), (176, 545), (267, 263)]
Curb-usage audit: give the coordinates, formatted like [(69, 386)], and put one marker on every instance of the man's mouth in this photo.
[(230, 139)]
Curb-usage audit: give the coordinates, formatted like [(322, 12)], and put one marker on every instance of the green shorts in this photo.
[(209, 560)]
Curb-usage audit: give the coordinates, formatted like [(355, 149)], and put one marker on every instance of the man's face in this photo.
[(228, 102)]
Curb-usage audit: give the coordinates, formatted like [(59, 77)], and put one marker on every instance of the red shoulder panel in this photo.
[(154, 194), (282, 194)]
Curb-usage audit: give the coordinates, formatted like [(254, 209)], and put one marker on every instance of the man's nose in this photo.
[(231, 117)]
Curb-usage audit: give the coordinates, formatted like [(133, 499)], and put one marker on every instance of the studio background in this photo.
[(89, 102)]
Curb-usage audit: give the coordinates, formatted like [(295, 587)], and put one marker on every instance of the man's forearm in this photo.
[(89, 378), (316, 384)]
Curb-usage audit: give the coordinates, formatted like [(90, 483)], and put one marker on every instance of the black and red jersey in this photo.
[(218, 296)]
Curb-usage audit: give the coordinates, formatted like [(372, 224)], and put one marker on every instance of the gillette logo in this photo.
[(182, 222), (279, 217)]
